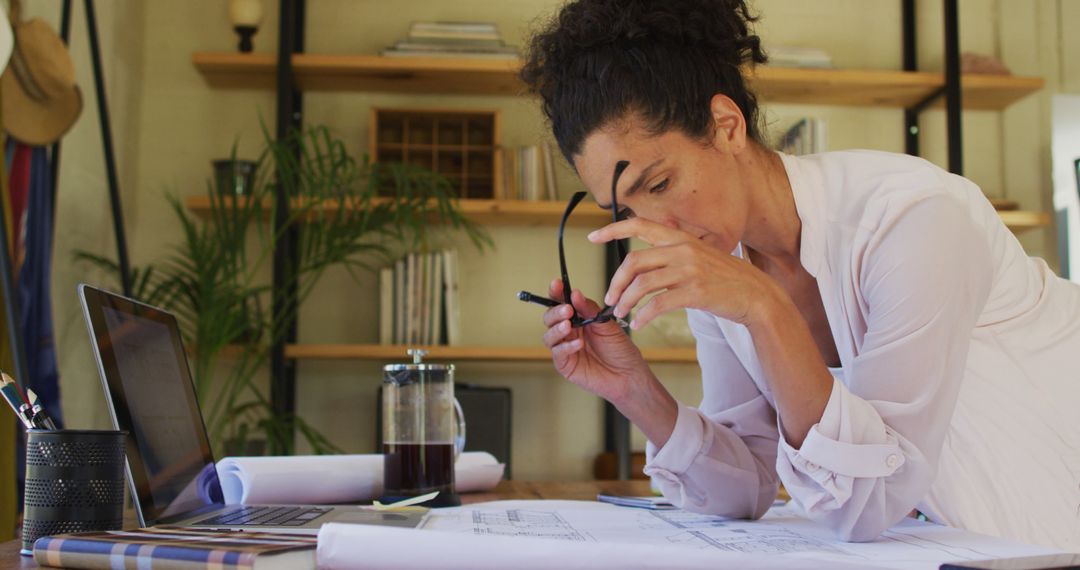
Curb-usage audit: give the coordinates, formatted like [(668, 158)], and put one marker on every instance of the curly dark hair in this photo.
[(598, 61)]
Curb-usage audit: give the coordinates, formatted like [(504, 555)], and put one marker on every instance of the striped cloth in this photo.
[(164, 547)]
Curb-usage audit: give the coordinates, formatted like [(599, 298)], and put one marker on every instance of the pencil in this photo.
[(14, 399)]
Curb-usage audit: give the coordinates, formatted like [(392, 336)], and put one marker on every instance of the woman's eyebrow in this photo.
[(637, 184)]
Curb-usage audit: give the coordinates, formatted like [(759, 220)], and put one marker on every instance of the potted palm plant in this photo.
[(347, 213)]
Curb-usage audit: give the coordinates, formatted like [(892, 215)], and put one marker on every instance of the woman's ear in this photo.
[(729, 125)]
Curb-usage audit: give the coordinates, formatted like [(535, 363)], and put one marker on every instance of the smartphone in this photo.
[(1062, 561)]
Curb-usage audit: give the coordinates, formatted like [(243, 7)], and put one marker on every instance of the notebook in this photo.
[(171, 470)]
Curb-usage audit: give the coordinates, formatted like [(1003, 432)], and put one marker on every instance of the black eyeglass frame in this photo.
[(608, 312)]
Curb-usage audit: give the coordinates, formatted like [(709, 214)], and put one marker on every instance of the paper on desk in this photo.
[(347, 546), (323, 479), (596, 535)]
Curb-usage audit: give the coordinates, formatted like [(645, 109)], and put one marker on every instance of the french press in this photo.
[(424, 431)]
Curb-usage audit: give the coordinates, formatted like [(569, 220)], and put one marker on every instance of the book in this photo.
[(551, 189), (453, 27), (460, 55), (386, 305), (427, 293), (807, 136), (399, 302), (791, 56), (410, 298), (453, 307), (651, 503), (165, 548), (529, 173), (453, 46), (437, 301), (454, 30), (417, 317)]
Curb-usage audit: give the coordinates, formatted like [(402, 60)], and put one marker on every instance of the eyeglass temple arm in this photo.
[(574, 201), (620, 167)]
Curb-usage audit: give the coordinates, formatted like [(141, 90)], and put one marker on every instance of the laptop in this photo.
[(170, 468)]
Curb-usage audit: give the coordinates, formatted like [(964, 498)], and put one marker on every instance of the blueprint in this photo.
[(910, 544)]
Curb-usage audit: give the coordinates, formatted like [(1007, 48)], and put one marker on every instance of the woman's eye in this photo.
[(659, 187)]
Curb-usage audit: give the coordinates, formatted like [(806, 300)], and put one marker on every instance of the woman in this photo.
[(869, 332)]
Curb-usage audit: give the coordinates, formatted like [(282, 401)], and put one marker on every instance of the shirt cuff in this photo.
[(832, 443), (682, 447)]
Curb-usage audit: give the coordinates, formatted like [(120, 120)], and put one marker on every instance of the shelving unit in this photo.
[(292, 72), (446, 76)]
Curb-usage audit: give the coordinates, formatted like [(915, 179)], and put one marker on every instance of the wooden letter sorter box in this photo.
[(461, 145)]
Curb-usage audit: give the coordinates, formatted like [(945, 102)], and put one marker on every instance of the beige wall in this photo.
[(169, 125), (82, 210)]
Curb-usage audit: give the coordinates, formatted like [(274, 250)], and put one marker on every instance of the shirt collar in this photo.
[(808, 189)]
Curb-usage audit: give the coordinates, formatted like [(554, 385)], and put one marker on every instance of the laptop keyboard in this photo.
[(266, 516)]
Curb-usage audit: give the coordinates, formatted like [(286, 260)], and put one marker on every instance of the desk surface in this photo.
[(584, 491)]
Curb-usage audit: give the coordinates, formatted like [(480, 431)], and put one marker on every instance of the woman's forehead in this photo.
[(605, 147)]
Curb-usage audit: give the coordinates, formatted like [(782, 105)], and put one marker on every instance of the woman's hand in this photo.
[(599, 357), (684, 273)]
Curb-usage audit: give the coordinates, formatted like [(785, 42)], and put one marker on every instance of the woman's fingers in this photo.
[(586, 308), (555, 289), (555, 315), (651, 233), (565, 350), (557, 333), (658, 305), (645, 284), (636, 263)]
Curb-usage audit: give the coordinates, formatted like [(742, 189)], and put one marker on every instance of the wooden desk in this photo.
[(582, 491)]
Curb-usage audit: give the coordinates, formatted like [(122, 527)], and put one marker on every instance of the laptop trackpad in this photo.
[(367, 516)]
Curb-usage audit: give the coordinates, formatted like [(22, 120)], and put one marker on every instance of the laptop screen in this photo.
[(152, 397)]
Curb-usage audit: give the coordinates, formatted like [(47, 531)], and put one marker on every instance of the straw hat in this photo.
[(39, 96), (7, 41)]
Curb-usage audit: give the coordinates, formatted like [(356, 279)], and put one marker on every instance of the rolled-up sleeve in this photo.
[(924, 276), (721, 457)]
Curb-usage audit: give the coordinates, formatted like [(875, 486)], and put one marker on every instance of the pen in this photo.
[(40, 417), (530, 298)]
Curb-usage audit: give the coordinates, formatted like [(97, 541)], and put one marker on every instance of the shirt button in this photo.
[(892, 460), (811, 467)]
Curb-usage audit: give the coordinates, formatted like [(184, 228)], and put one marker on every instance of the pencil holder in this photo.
[(74, 483)]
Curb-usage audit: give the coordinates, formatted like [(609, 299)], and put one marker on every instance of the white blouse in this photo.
[(959, 392)]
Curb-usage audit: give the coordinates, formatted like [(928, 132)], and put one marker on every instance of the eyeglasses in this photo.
[(608, 312)]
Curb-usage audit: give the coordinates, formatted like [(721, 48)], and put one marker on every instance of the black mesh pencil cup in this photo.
[(74, 482)]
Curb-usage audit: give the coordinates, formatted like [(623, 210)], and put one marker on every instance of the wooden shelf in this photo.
[(1020, 221), (450, 76), (397, 353), (548, 213), (492, 212)]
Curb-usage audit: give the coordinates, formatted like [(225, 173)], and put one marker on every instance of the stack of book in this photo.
[(418, 300), (528, 174), (452, 39), (164, 547), (807, 136)]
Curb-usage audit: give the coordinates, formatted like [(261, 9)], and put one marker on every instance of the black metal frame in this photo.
[(951, 91), (7, 279), (616, 425), (290, 112)]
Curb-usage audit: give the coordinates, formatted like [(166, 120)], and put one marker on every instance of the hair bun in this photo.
[(719, 26), (661, 60)]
